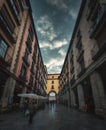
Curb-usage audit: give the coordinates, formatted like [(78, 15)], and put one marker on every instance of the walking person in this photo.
[(25, 106), (31, 112)]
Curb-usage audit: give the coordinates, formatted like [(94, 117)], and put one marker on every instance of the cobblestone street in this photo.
[(56, 118)]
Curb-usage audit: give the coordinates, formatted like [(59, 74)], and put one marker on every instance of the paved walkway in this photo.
[(55, 118)]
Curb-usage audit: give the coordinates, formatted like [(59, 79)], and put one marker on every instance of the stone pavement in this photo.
[(55, 118)]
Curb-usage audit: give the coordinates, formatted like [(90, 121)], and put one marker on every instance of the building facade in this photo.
[(83, 77), (21, 64), (52, 84)]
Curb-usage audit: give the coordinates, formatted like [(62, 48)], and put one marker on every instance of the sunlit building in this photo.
[(83, 76), (52, 86), (21, 65)]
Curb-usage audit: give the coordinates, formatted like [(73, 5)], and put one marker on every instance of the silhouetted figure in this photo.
[(25, 106), (32, 111)]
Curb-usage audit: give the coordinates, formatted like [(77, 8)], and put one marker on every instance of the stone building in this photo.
[(83, 76), (52, 85), (21, 64)]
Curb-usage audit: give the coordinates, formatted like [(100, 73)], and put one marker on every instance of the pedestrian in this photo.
[(86, 105), (25, 106), (32, 111)]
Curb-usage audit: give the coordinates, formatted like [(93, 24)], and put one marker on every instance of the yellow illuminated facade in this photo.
[(52, 83)]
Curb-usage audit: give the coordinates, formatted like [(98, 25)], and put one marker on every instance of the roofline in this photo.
[(74, 31), (35, 31)]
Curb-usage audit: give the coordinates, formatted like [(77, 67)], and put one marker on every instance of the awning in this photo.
[(28, 95), (32, 96)]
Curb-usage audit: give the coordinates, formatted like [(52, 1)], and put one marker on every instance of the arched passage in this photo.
[(52, 95)]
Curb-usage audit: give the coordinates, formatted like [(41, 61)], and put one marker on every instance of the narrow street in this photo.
[(55, 118)]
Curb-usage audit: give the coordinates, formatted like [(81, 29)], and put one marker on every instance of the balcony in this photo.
[(71, 55), (72, 60), (72, 69), (81, 71), (72, 79), (78, 41), (6, 29), (23, 78), (99, 22), (6, 61), (67, 74), (30, 84), (37, 76), (34, 58), (97, 52), (32, 70), (29, 45), (91, 6), (80, 55), (26, 60), (14, 10)]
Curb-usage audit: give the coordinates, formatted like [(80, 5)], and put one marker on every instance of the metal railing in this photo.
[(101, 11)]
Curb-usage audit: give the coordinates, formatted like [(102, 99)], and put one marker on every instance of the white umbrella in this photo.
[(28, 95)]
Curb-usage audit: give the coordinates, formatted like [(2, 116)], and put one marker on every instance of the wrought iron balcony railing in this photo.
[(29, 45), (78, 40), (26, 60), (79, 55), (99, 22), (91, 6), (23, 77), (6, 61), (98, 51), (80, 71)]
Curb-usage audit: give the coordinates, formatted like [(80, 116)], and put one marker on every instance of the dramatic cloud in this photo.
[(60, 4), (54, 65), (73, 12), (58, 44), (54, 21), (62, 52), (45, 28), (44, 44), (53, 44)]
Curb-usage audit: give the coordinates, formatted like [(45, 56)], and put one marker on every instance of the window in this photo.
[(52, 82), (24, 4), (23, 71), (78, 33), (31, 32), (26, 57), (34, 57), (32, 68), (52, 76), (26, 53), (31, 81), (52, 87), (14, 7), (82, 64), (29, 43), (78, 38), (3, 48), (2, 19), (80, 46)]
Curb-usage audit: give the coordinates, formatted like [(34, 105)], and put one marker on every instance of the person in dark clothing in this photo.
[(25, 106), (32, 111)]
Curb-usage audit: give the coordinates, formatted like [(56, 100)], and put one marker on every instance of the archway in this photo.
[(52, 96)]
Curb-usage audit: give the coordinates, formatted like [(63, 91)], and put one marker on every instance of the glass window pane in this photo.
[(3, 48)]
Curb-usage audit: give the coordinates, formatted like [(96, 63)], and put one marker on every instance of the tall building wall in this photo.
[(84, 84), (21, 64)]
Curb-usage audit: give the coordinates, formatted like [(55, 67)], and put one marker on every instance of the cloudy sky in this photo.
[(54, 22)]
